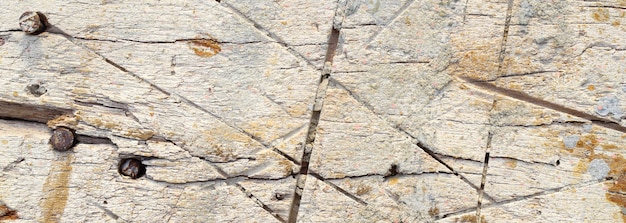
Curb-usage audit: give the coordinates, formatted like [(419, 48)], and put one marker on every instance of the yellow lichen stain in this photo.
[(56, 189), (407, 21), (63, 120), (80, 91), (470, 219), (610, 147), (284, 23), (615, 23), (591, 87), (205, 47), (287, 166), (214, 136), (616, 189), (338, 175), (476, 64), (600, 15), (4, 142), (297, 110), (15, 94), (393, 181), (103, 124), (511, 164), (585, 149), (139, 134), (581, 167), (434, 211), (363, 189), (514, 86), (481, 62)]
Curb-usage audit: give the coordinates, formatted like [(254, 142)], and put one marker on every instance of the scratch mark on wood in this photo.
[(391, 21), (607, 123), (269, 34)]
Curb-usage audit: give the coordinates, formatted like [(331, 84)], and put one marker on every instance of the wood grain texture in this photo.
[(315, 111)]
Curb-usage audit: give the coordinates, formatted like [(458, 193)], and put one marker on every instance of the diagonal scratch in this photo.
[(341, 190), (606, 123), (421, 145), (269, 34), (57, 30), (187, 101), (391, 21)]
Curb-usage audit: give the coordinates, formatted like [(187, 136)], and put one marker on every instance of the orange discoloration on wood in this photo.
[(470, 219), (586, 150), (56, 189), (600, 15), (63, 120), (511, 164), (393, 181), (205, 47), (9, 214)]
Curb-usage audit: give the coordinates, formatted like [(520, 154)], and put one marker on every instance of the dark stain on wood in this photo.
[(7, 213), (56, 188)]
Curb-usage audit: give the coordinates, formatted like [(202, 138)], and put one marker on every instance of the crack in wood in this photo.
[(333, 41), (483, 179), (30, 113), (386, 177), (501, 55)]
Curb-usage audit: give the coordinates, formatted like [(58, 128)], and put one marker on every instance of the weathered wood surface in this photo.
[(316, 111)]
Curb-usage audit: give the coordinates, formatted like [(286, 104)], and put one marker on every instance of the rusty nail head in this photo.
[(32, 22), (132, 168), (62, 139)]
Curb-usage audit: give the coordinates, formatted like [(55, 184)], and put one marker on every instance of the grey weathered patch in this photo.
[(571, 141), (609, 105), (598, 168)]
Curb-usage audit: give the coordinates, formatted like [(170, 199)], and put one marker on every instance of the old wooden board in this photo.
[(315, 111)]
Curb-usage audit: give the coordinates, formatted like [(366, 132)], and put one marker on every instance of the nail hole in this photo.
[(105, 202), (132, 168), (279, 196), (36, 89), (558, 162), (393, 170)]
